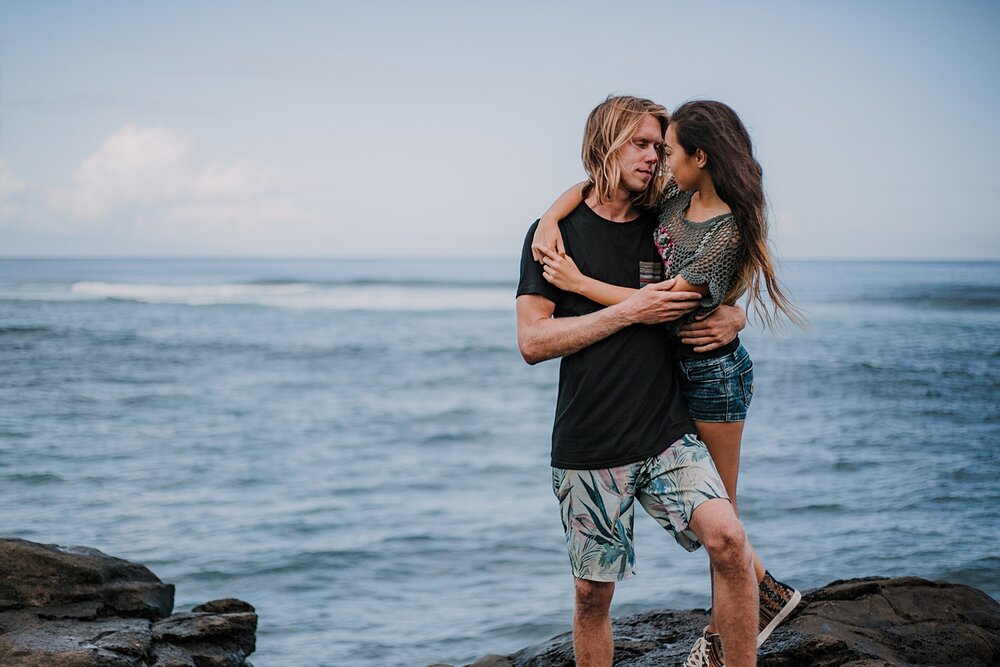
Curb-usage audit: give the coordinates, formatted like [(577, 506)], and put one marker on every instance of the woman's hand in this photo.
[(560, 270), (547, 238)]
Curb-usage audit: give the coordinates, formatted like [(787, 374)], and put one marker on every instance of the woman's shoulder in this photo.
[(731, 229), (724, 234)]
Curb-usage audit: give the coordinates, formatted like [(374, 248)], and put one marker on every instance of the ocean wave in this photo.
[(308, 296), (472, 283), (25, 330), (32, 478), (950, 296)]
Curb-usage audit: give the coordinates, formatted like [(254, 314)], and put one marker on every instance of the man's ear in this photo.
[(700, 158)]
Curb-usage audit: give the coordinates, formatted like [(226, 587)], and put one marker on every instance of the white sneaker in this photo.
[(706, 652)]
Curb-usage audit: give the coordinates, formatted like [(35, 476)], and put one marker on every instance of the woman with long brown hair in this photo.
[(712, 237)]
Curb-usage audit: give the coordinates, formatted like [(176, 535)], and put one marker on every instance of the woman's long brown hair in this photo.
[(738, 178)]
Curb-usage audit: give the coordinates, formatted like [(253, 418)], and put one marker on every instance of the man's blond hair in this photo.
[(609, 127)]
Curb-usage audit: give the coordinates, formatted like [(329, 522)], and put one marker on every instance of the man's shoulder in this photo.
[(580, 223), (533, 226), (571, 223), (531, 279)]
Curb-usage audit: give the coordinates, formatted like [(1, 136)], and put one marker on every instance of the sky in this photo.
[(443, 129)]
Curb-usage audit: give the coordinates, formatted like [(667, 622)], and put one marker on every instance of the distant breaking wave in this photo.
[(367, 295), (410, 282), (944, 296)]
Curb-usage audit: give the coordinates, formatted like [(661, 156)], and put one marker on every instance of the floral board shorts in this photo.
[(718, 389), (597, 506)]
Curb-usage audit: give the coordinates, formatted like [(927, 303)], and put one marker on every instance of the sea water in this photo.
[(357, 448)]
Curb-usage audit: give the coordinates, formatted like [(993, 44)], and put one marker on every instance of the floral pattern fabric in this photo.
[(597, 506)]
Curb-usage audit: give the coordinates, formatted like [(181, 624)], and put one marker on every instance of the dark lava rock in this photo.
[(869, 622), (78, 607), (876, 621), (40, 575)]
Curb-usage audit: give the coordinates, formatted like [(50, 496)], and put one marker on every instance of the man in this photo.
[(622, 431)]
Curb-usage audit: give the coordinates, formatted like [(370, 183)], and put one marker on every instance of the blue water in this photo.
[(357, 449)]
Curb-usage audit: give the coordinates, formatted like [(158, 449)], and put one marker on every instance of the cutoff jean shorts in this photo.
[(597, 506), (718, 389)]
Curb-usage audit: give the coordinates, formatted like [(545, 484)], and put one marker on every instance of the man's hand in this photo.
[(541, 336), (655, 304), (714, 330)]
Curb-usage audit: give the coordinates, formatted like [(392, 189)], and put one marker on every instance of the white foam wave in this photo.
[(304, 296)]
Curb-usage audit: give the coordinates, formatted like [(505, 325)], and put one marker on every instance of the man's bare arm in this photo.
[(541, 337)]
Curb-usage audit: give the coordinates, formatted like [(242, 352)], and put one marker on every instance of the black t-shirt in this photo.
[(619, 400)]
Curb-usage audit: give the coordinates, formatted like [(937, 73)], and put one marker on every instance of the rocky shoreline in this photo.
[(871, 622), (79, 607)]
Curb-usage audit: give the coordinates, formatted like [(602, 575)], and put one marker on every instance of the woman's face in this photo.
[(685, 168)]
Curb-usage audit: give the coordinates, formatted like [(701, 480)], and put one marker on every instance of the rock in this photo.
[(78, 607), (490, 661), (213, 639), (46, 575), (876, 621), (856, 623), (225, 606)]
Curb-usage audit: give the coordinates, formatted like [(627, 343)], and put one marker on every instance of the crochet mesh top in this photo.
[(703, 253)]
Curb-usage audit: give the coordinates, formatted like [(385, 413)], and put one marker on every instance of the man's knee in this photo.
[(593, 597), (726, 543)]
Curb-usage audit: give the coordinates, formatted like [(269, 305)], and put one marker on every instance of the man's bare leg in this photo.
[(736, 600), (592, 642)]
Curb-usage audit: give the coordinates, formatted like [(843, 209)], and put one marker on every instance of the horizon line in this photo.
[(359, 258)]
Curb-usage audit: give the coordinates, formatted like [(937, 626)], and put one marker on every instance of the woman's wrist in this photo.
[(581, 285)]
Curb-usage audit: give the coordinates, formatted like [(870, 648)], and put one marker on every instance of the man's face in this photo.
[(639, 157)]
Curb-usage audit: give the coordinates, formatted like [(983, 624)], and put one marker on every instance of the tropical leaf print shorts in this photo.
[(597, 506)]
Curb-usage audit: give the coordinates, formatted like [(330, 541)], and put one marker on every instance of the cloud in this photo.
[(8, 184), (152, 167), (146, 182), (10, 187)]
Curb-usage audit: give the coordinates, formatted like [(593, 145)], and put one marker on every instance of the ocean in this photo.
[(357, 449)]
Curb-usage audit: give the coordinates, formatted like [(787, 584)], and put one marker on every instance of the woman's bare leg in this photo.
[(723, 440)]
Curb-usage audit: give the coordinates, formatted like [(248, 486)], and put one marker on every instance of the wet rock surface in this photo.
[(869, 622), (79, 607)]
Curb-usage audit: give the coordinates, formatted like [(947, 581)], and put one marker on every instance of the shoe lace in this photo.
[(699, 654)]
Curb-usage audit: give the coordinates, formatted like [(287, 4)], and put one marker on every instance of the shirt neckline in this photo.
[(704, 223), (642, 215)]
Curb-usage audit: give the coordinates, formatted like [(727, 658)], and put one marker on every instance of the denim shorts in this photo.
[(718, 389)]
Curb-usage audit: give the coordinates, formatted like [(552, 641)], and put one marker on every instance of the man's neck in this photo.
[(619, 209)]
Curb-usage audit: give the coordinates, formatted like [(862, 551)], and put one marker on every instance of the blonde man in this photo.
[(622, 431)]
